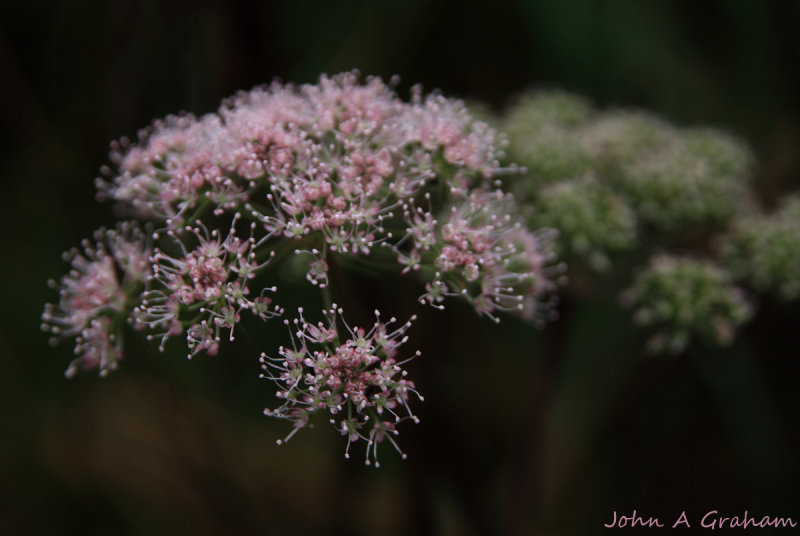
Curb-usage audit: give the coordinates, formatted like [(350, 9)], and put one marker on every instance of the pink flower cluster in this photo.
[(204, 288), (340, 170), (329, 156), (96, 295), (483, 253), (333, 165), (352, 375)]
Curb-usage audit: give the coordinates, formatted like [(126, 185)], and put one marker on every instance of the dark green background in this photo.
[(522, 432)]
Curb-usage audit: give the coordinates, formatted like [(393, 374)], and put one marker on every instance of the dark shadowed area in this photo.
[(523, 431)]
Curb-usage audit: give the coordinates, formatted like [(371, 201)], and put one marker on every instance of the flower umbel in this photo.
[(684, 297), (96, 296), (764, 250), (306, 180), (349, 373), (480, 250), (203, 290)]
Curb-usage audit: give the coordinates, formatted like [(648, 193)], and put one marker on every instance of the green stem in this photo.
[(201, 208), (283, 248), (327, 298)]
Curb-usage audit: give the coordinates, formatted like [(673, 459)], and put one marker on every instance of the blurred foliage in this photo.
[(522, 432)]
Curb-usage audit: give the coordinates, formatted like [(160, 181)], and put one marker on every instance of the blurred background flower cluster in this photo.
[(662, 139)]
